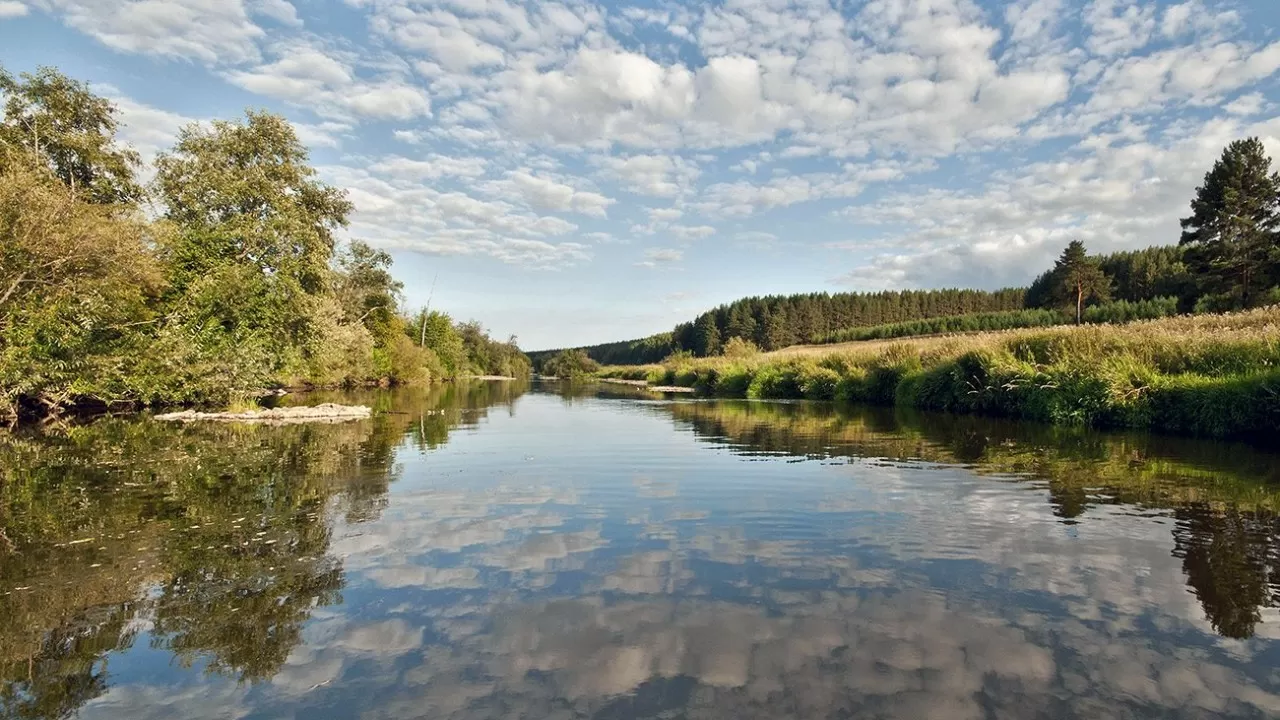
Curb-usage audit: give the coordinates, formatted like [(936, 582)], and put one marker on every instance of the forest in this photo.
[(221, 276)]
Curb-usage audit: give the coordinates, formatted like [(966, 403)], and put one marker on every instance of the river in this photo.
[(491, 550)]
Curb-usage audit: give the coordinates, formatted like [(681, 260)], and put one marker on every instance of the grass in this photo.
[(1208, 375)]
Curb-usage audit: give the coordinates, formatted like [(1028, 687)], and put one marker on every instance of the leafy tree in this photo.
[(366, 289), (435, 332), (1231, 234), (57, 123), (570, 365), (254, 239), (75, 279), (1077, 278)]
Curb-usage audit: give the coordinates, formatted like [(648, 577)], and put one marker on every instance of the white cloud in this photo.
[(1251, 104), (433, 167), (1111, 192), (656, 175), (306, 74), (12, 9), (654, 257), (494, 127), (1119, 26), (282, 11), (542, 193), (211, 31), (692, 232), (148, 129)]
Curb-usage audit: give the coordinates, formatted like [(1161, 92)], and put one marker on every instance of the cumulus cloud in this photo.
[(518, 119), (655, 257), (1121, 191), (306, 74), (12, 9), (211, 31), (543, 193)]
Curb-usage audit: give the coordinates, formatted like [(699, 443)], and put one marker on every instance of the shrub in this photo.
[(570, 365), (818, 383), (739, 348)]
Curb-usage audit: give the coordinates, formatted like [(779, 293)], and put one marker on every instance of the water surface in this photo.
[(490, 551)]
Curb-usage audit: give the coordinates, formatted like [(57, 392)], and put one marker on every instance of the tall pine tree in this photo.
[(1231, 235), (1078, 278)]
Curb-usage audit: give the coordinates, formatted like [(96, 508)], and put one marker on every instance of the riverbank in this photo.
[(1204, 375)]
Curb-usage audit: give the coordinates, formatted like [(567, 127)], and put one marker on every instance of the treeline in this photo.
[(222, 276), (778, 321)]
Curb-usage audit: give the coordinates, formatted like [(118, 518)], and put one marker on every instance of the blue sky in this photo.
[(577, 172)]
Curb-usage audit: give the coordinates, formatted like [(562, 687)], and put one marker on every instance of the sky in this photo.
[(576, 172)]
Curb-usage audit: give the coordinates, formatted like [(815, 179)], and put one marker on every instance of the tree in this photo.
[(55, 122), (75, 280), (436, 332), (1078, 278), (707, 336), (366, 289), (1231, 235), (570, 365), (249, 264)]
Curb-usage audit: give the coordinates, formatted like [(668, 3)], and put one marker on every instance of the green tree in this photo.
[(75, 280), (1231, 234), (250, 259), (55, 122), (435, 331), (366, 290), (1078, 278), (570, 365), (707, 336)]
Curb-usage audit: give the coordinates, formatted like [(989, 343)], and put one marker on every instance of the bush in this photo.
[(738, 348), (570, 365), (818, 383)]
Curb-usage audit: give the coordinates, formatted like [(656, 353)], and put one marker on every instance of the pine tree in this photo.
[(1231, 235), (1077, 278)]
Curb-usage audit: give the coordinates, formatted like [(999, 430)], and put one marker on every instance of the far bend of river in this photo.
[(497, 551)]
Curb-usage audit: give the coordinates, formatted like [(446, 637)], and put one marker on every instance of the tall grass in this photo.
[(1211, 375)]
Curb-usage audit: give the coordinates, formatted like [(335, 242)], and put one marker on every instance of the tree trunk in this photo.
[(1079, 303)]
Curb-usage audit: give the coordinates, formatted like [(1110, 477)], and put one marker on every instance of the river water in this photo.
[(497, 551)]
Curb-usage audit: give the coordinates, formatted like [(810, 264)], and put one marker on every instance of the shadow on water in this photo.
[(211, 539)]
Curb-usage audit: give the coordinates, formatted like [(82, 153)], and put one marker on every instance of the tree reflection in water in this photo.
[(212, 538)]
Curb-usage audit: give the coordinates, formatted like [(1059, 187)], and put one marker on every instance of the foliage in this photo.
[(1231, 235), (738, 347), (254, 237), (778, 321), (240, 285), (1123, 311), (1078, 278), (57, 124), (570, 365), (75, 280), (1006, 320)]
